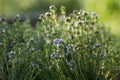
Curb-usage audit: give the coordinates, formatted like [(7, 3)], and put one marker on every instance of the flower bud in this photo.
[(52, 7), (75, 12), (68, 19), (2, 19)]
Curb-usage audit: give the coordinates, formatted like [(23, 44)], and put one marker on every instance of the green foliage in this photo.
[(35, 6), (73, 47)]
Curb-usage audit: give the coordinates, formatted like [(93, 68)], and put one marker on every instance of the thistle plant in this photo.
[(59, 47)]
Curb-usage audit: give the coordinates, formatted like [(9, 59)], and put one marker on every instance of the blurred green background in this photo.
[(108, 10)]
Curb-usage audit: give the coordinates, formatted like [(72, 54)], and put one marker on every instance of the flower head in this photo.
[(48, 14), (2, 19), (1, 44), (85, 13), (58, 42), (70, 63), (11, 53), (53, 55), (69, 47), (3, 30), (52, 7), (81, 22), (32, 49)]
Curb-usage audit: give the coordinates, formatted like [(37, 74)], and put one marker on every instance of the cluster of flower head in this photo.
[(75, 40)]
